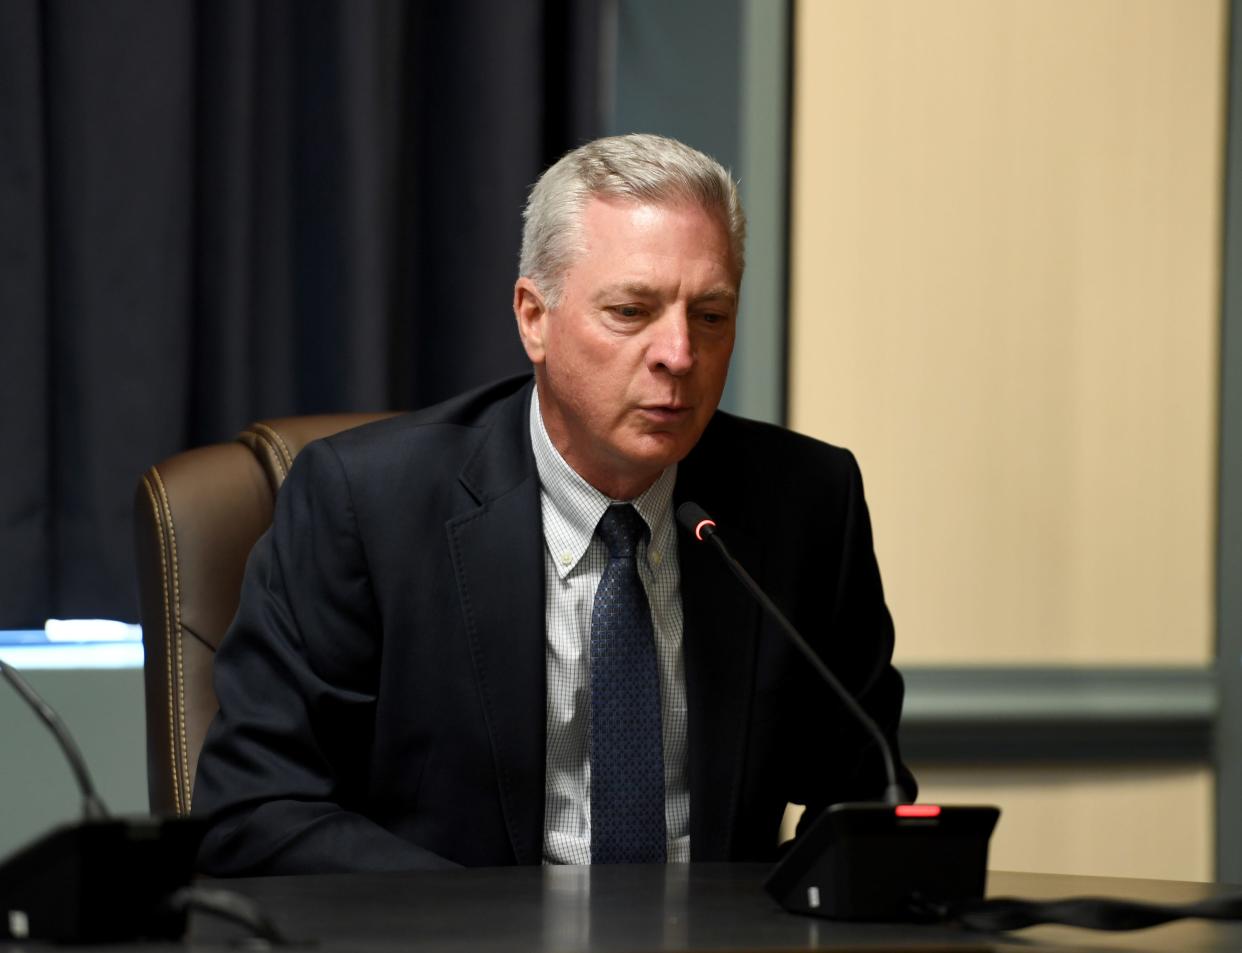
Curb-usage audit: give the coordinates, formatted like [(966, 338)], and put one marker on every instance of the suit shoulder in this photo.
[(757, 475), (455, 418), (758, 446), (428, 442)]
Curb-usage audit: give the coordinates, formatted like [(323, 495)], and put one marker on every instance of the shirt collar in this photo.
[(572, 507)]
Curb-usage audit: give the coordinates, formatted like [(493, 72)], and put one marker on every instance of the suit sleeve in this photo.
[(858, 647), (283, 772)]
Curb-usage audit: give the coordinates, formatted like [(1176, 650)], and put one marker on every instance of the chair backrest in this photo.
[(197, 515)]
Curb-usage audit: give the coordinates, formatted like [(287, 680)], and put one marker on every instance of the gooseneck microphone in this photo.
[(897, 861), (103, 879), (702, 527), (92, 805), (874, 860)]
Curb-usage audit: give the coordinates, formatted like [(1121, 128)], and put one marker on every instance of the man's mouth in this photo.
[(666, 412)]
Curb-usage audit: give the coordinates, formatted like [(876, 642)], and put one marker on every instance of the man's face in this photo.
[(631, 363)]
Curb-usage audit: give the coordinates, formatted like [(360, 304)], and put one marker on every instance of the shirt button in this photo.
[(566, 558), (656, 557)]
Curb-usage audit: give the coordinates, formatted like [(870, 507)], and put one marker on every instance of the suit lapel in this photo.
[(718, 642), (497, 557)]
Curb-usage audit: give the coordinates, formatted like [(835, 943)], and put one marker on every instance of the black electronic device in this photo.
[(885, 860), (100, 881), (104, 879)]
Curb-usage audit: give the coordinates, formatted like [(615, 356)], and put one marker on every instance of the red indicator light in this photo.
[(918, 810)]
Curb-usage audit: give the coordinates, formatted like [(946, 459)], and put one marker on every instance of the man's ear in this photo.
[(532, 318)]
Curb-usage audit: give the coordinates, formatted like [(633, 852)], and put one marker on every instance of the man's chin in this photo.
[(660, 450)]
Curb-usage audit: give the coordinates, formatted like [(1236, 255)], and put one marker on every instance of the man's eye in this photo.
[(628, 310)]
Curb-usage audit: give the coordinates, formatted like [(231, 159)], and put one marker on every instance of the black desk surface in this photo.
[(678, 907)]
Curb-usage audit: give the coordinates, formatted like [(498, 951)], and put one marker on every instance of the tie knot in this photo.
[(621, 528)]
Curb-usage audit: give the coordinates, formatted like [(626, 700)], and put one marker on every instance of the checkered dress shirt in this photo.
[(574, 561)]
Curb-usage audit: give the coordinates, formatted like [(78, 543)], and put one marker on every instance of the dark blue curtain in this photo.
[(216, 211)]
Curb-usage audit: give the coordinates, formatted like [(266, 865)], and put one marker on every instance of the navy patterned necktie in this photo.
[(627, 750)]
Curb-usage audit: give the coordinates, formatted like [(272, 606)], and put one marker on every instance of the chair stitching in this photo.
[(281, 446), (176, 674), (181, 733), (266, 450), (182, 742), (158, 512)]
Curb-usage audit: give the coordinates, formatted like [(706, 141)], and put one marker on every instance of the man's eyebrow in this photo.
[(626, 290), (716, 294)]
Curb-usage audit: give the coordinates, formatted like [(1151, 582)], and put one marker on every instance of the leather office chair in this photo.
[(197, 515)]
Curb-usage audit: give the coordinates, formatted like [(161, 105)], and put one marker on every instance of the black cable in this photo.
[(232, 906), (1092, 913)]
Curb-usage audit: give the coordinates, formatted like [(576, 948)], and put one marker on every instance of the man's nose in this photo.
[(672, 349)]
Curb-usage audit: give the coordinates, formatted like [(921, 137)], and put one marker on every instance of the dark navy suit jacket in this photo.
[(382, 687)]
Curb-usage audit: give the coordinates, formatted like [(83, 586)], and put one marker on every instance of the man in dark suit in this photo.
[(472, 635)]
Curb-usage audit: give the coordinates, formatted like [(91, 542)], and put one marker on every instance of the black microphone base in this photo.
[(883, 863), (99, 881)]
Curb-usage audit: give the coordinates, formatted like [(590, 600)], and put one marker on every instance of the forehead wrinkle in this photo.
[(638, 289)]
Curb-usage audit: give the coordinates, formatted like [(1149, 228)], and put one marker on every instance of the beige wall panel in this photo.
[(1109, 822), (1004, 300)]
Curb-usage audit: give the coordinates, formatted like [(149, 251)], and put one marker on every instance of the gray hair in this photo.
[(639, 166)]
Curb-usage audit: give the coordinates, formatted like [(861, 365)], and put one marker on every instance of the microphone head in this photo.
[(695, 521)]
